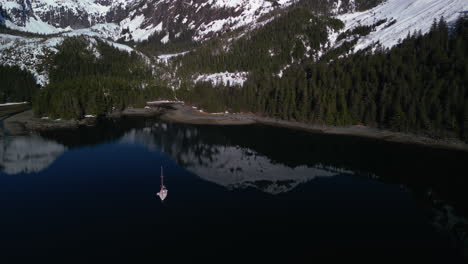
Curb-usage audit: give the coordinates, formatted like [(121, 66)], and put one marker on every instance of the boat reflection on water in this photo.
[(162, 194)]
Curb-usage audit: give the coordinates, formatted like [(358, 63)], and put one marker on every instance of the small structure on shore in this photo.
[(163, 104)]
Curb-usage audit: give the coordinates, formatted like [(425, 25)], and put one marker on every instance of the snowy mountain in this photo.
[(398, 18), (137, 19), (203, 19), (384, 25), (114, 20), (164, 22), (52, 16)]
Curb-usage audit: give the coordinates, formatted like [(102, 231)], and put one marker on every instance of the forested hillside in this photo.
[(16, 85), (297, 63), (421, 86), (95, 79), (293, 36)]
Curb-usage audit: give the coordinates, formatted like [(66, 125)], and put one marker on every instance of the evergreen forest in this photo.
[(419, 86), (88, 79), (17, 85)]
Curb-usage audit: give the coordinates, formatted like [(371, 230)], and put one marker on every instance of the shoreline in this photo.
[(19, 120), (188, 115), (24, 122)]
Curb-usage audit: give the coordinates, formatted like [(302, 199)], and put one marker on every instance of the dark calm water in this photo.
[(239, 193)]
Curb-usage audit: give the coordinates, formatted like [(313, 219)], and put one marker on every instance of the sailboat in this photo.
[(163, 192)]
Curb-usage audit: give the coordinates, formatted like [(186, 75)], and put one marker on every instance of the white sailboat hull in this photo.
[(162, 194)]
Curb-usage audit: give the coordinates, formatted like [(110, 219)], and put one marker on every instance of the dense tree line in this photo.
[(94, 79), (290, 37), (17, 85), (420, 85)]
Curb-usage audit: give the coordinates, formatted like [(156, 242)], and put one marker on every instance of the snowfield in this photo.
[(107, 31), (138, 21), (252, 11), (410, 16), (34, 25), (224, 78), (9, 104), (165, 58), (27, 53)]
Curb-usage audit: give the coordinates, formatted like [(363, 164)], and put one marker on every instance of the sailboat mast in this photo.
[(162, 177)]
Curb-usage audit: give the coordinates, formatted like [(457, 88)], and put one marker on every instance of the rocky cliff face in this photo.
[(139, 19), (169, 20), (18, 11)]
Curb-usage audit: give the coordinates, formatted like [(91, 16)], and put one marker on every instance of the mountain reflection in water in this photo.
[(28, 154), (227, 173), (229, 166)]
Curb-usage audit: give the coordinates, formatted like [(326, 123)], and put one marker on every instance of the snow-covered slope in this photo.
[(198, 20), (50, 16), (29, 52), (170, 21), (137, 19), (224, 78), (402, 17), (20, 15)]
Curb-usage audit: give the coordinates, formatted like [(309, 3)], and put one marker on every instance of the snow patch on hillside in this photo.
[(224, 78), (27, 53), (90, 7), (107, 30), (410, 16), (165, 58), (135, 29), (34, 25), (121, 47), (10, 104), (252, 10)]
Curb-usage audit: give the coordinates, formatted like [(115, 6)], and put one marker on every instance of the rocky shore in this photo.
[(22, 122), (190, 115)]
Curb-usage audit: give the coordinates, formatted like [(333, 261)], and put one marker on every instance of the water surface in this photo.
[(256, 192)]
